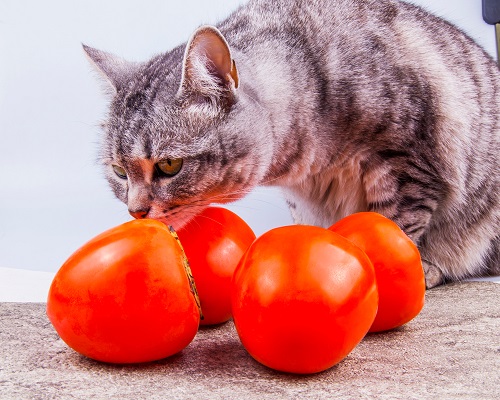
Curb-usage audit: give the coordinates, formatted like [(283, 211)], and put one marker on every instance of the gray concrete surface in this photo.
[(451, 350)]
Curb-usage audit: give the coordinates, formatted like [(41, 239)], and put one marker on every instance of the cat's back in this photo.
[(360, 24), (375, 48)]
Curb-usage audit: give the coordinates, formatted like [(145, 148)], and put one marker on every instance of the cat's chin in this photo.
[(178, 219)]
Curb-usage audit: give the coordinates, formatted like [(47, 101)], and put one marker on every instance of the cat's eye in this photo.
[(120, 172), (169, 167)]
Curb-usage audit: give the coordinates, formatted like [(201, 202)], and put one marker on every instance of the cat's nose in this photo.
[(139, 214)]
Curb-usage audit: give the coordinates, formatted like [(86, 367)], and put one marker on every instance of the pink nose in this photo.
[(139, 214)]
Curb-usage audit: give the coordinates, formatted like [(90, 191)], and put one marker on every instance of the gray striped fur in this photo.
[(348, 105)]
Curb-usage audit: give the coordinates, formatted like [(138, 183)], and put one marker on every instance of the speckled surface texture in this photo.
[(451, 350)]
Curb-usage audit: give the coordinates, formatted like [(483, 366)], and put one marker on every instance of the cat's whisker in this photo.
[(210, 219)]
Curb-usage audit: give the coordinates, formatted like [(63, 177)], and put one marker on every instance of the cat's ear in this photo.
[(208, 68), (115, 70)]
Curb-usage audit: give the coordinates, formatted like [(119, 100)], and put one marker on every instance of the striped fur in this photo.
[(348, 105)]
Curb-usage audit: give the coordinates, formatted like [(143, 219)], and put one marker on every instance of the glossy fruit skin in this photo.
[(214, 242), (303, 297), (397, 263), (125, 297)]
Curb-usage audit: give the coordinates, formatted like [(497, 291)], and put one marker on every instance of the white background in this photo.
[(53, 197)]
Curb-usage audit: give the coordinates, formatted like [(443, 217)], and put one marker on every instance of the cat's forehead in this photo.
[(157, 130), (148, 89), (146, 139)]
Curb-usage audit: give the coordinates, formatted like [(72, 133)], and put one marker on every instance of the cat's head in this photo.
[(182, 130)]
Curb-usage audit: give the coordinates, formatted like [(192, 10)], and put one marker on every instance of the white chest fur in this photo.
[(324, 198)]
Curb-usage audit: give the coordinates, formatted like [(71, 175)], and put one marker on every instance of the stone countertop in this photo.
[(451, 350)]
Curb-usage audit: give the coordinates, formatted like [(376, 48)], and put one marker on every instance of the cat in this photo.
[(347, 105)]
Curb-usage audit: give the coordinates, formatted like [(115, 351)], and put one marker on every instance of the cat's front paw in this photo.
[(433, 275)]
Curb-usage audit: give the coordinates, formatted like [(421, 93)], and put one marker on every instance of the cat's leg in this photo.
[(433, 275), (409, 197)]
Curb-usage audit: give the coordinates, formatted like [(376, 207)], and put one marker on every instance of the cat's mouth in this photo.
[(176, 216)]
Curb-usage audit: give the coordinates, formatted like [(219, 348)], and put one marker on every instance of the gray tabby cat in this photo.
[(348, 105)]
